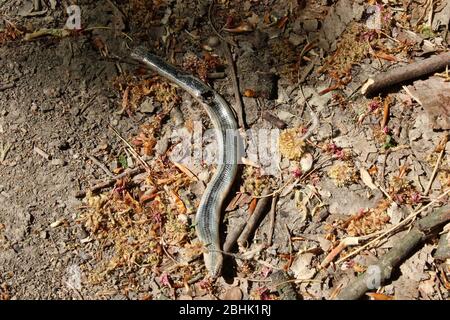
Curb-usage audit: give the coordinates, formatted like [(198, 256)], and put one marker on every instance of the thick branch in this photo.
[(411, 71), (443, 250)]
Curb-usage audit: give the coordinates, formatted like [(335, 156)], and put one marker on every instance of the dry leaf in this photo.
[(366, 178), (301, 267), (241, 28), (379, 296)]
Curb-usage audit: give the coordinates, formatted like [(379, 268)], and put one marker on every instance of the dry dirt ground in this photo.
[(61, 94)]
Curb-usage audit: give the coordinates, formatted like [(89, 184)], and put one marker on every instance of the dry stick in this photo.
[(433, 175), (216, 75), (386, 108), (411, 217), (398, 253), (273, 208), (232, 238), (111, 182), (252, 222), (239, 106), (411, 71), (101, 166), (133, 152), (443, 250), (36, 5), (7, 86)]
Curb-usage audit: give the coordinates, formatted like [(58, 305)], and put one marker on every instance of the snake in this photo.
[(208, 215)]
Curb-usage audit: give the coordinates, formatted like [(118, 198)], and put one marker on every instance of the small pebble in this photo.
[(58, 162), (310, 25), (213, 41)]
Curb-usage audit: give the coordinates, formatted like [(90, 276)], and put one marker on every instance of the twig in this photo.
[(296, 182), (42, 153), (232, 238), (384, 121), (252, 222), (111, 182), (101, 166), (409, 72), (133, 152), (273, 208), (278, 190), (216, 75), (443, 250), (4, 149), (398, 253), (290, 247), (433, 174), (441, 149), (36, 5), (7, 86), (314, 118), (411, 95), (239, 106), (338, 249)]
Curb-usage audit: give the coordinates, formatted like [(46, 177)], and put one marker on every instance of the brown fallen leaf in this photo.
[(385, 56), (239, 200), (379, 296), (186, 171), (241, 28), (366, 178)]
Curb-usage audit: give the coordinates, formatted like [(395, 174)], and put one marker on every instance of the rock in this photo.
[(213, 41), (285, 115), (162, 145), (301, 267), (310, 25), (204, 176), (295, 39), (58, 162), (177, 116), (51, 92), (82, 233)]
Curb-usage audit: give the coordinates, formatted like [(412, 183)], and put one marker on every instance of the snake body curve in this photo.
[(209, 211)]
